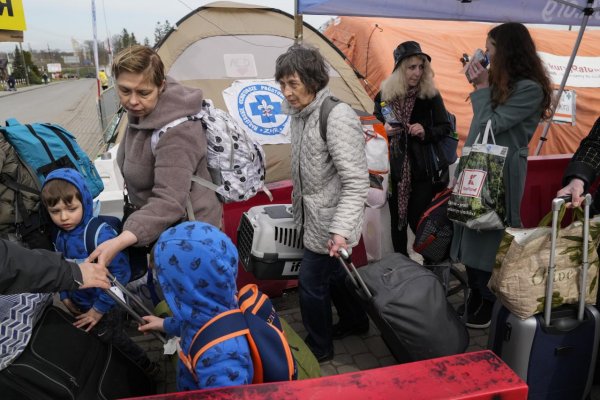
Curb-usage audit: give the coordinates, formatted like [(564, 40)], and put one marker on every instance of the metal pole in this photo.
[(588, 11), (24, 64), (95, 46), (298, 35)]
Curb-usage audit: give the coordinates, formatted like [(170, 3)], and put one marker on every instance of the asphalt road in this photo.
[(71, 104)]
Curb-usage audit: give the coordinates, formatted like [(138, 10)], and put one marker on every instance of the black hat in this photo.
[(407, 49)]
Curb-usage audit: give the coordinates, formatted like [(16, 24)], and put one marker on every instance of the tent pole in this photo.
[(587, 12), (298, 35)]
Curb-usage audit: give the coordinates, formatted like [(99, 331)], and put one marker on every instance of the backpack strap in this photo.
[(220, 328), (326, 106), (252, 300), (90, 234), (29, 221), (157, 133), (12, 122)]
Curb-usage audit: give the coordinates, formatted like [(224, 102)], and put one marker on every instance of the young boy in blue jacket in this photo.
[(70, 206), (196, 266)]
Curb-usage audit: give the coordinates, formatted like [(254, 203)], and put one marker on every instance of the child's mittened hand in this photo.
[(154, 324), (89, 319)]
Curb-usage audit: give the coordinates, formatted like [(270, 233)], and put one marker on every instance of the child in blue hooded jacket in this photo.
[(70, 206), (197, 265)]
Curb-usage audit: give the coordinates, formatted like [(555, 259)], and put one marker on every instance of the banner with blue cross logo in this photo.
[(257, 105)]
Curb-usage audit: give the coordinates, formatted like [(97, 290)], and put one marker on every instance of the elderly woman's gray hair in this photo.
[(307, 62)]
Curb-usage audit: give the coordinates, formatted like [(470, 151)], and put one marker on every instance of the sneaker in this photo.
[(473, 303), (340, 330), (482, 317), (321, 357)]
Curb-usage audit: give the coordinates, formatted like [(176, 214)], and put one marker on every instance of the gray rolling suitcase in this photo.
[(554, 352), (408, 304)]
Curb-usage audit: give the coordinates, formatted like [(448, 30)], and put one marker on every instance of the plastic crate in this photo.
[(269, 243)]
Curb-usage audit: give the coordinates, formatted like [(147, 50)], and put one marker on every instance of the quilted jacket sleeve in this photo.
[(346, 145)]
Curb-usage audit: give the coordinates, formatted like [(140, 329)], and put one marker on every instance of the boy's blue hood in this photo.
[(74, 177), (197, 269)]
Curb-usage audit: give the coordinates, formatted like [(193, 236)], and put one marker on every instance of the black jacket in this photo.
[(585, 163), (31, 271), (432, 115)]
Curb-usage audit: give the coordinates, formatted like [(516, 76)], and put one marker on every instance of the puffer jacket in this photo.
[(330, 179), (10, 165)]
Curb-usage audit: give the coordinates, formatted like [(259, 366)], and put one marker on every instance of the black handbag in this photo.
[(434, 231), (138, 255)]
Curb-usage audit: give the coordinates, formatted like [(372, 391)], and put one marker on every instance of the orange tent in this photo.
[(369, 43)]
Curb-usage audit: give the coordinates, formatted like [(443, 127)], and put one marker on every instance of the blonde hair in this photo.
[(394, 86), (139, 59)]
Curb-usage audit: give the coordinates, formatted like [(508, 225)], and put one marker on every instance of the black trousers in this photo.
[(421, 194)]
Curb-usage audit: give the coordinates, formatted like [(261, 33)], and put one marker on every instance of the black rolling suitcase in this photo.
[(63, 362), (555, 351), (408, 304)]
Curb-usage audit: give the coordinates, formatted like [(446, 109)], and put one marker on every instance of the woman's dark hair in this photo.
[(308, 63), (516, 58)]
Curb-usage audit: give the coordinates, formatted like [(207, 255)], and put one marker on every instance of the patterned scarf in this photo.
[(399, 148)]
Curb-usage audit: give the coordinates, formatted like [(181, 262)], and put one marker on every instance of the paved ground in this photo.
[(81, 117)]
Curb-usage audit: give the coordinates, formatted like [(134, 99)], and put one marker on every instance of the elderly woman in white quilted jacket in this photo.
[(331, 181)]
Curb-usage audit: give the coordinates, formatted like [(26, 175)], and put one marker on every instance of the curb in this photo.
[(5, 93)]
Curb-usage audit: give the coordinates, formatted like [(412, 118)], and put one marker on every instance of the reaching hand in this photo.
[(94, 275), (89, 319), (335, 243), (106, 251), (154, 324), (575, 189)]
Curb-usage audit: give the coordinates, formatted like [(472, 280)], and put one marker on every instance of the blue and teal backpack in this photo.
[(46, 147)]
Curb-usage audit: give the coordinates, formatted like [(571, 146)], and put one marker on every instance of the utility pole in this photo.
[(95, 45), (24, 64)]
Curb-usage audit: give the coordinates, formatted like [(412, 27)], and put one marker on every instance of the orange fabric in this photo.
[(288, 352), (259, 304), (242, 332), (256, 361), (445, 42), (251, 287), (213, 319)]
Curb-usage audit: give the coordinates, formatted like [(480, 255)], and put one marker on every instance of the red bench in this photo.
[(470, 376)]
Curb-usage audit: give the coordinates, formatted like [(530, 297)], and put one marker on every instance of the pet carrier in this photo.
[(269, 242)]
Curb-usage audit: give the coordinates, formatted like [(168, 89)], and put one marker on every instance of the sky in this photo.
[(52, 23)]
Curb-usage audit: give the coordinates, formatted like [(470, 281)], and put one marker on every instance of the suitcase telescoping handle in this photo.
[(130, 309), (556, 206), (355, 277)]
